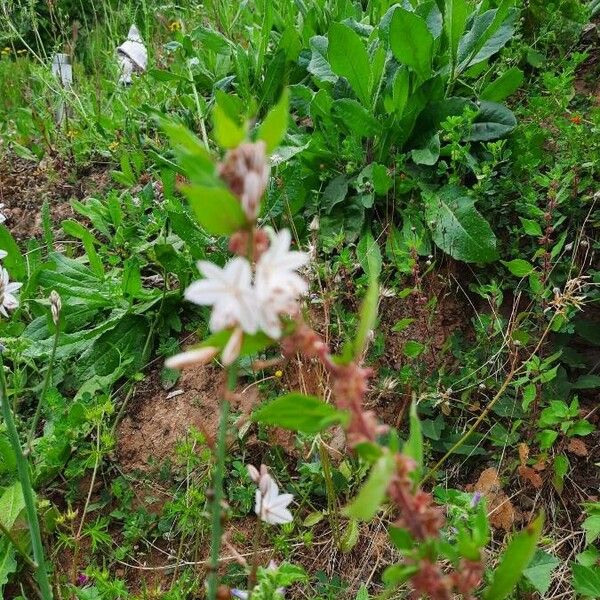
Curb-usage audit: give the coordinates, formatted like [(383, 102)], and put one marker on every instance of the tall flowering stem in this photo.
[(27, 489), (216, 532)]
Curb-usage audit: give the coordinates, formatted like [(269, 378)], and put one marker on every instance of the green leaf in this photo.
[(492, 121), (355, 117), (349, 536), (414, 445), (518, 267), (591, 526), (411, 42), (587, 382), (273, 128), (371, 495), (363, 593), (539, 571), (368, 316), (457, 228), (508, 83), (216, 209), (396, 575), (586, 580), (412, 348), (8, 563), (299, 412), (429, 152), (515, 560), (228, 134), (77, 230), (531, 227), (14, 262), (348, 58), (335, 191), (11, 505), (455, 19), (369, 255)]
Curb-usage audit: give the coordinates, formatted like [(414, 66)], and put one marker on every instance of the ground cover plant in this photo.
[(299, 299)]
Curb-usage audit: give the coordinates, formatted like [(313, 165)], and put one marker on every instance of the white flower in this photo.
[(7, 290), (2, 219), (229, 291), (3, 254), (277, 284), (190, 358), (270, 505)]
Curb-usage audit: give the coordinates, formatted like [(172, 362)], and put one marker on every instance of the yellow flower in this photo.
[(113, 146), (175, 26), (279, 373)]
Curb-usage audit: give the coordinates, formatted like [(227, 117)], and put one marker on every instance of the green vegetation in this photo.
[(352, 242)]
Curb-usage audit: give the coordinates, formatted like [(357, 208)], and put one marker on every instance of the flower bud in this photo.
[(55, 306), (191, 358)]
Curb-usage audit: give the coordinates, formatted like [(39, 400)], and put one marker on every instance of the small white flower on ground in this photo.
[(2, 219), (229, 291), (191, 358), (277, 284), (3, 254), (270, 506), (8, 301)]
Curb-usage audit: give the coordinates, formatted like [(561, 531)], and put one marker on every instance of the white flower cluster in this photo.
[(8, 300), (249, 306), (270, 506)]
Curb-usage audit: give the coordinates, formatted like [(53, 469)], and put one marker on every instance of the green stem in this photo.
[(216, 525), (28, 495), (38, 408), (331, 499)]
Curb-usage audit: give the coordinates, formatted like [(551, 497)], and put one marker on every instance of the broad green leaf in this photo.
[(508, 83), (411, 42), (349, 536), (455, 18), (273, 128), (335, 191), (76, 229), (8, 562), (355, 117), (414, 445), (412, 348), (591, 526), (318, 65), (400, 89), (348, 58), (299, 412), (216, 209), (363, 593), (458, 228), (492, 121), (531, 227), (515, 560), (587, 382), (586, 580), (369, 255), (539, 571), (365, 506), (518, 267), (14, 262), (429, 152), (560, 467), (183, 139), (368, 316), (228, 134), (11, 505)]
